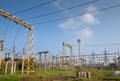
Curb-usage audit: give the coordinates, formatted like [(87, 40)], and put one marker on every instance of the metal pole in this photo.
[(79, 60), (105, 60), (12, 67), (6, 64), (40, 61), (1, 49), (45, 61)]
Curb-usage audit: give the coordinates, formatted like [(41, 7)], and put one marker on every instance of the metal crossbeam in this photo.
[(15, 19), (66, 44)]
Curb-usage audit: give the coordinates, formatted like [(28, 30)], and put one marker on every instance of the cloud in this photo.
[(59, 4), (75, 23), (82, 24), (70, 24), (89, 19), (84, 33)]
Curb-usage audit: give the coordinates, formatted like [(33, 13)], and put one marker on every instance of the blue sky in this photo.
[(97, 31)]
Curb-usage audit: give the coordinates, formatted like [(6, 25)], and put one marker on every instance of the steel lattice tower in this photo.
[(28, 63)]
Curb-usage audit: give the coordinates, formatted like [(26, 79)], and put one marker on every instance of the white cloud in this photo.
[(81, 25), (89, 19), (75, 23), (70, 24), (84, 33), (60, 4)]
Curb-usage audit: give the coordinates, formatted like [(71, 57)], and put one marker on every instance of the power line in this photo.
[(4, 34), (100, 45), (15, 38), (77, 15), (61, 10), (7, 49), (34, 7)]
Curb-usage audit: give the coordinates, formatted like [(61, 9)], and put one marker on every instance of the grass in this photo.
[(49, 72), (60, 75), (38, 72)]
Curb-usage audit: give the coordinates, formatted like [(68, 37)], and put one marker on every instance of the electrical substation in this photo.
[(69, 64)]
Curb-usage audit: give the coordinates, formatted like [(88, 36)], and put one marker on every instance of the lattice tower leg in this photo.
[(28, 64)]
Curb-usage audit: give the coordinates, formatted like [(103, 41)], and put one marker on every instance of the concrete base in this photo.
[(114, 72)]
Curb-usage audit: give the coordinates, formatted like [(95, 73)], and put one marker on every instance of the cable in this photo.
[(7, 49), (101, 45), (34, 7), (4, 34), (15, 38), (61, 10), (76, 15)]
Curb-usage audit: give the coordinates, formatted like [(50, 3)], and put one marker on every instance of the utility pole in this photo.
[(93, 60), (61, 61), (40, 60), (57, 62), (49, 63), (79, 59), (1, 50), (53, 62), (105, 58), (45, 60)]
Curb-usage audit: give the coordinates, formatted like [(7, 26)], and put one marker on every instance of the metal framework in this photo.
[(55, 62), (40, 59), (67, 64), (95, 60), (10, 61), (27, 65)]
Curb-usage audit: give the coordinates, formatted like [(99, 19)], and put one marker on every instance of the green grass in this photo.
[(50, 74), (38, 72)]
